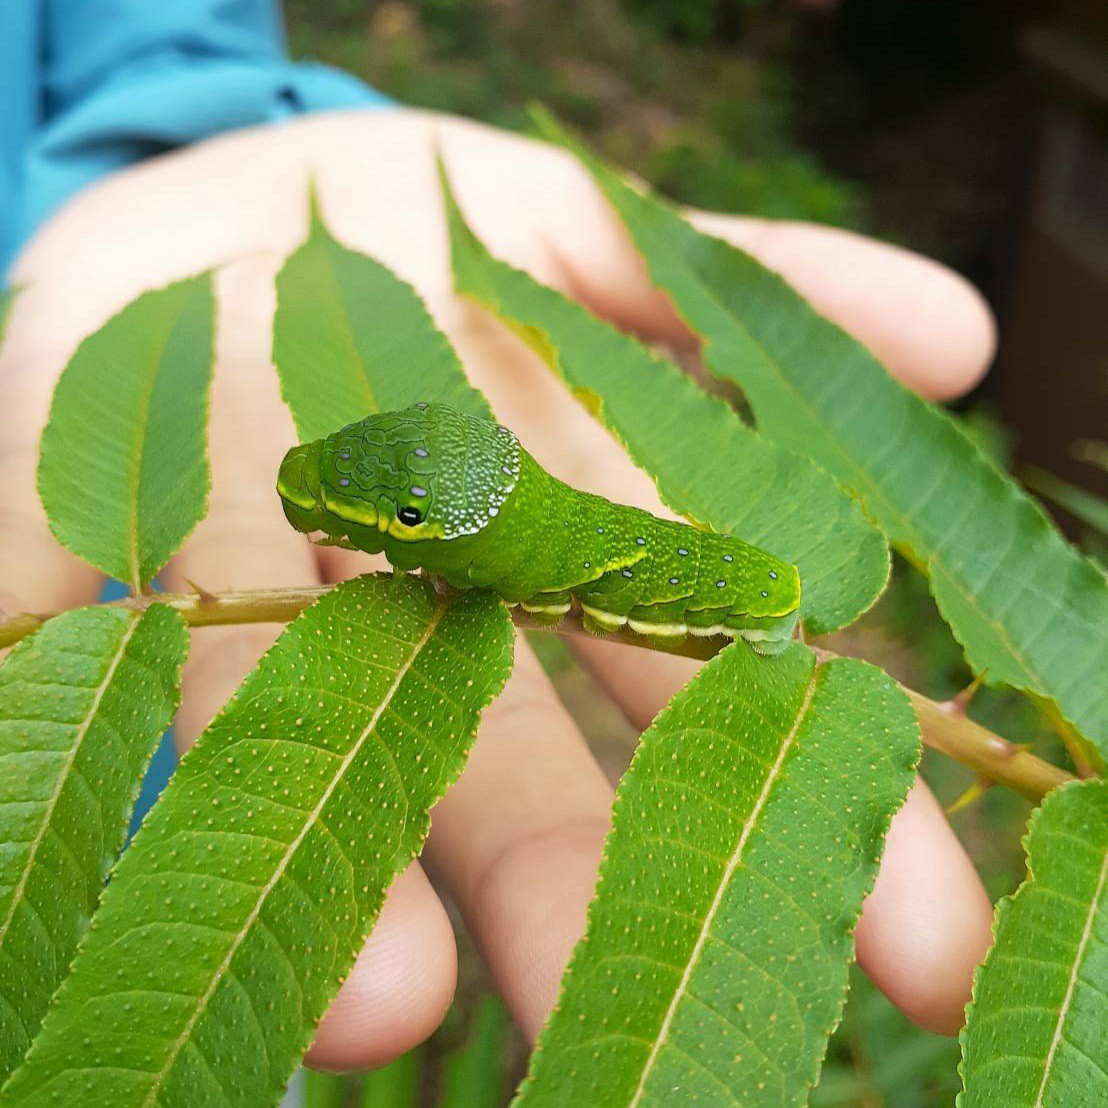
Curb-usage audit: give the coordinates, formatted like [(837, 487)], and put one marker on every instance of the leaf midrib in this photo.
[(83, 729), (749, 826), (218, 974), (146, 397), (1071, 984)]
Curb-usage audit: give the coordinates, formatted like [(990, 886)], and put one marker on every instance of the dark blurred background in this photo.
[(975, 132)]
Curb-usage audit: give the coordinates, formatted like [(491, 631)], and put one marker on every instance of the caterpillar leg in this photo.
[(547, 607), (598, 622), (335, 540)]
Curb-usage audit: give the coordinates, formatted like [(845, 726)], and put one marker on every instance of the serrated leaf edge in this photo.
[(441, 607)]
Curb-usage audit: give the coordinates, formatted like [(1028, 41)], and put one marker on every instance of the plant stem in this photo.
[(945, 726)]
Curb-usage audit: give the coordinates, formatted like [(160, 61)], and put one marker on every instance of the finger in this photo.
[(400, 987), (929, 325), (539, 210), (517, 840), (926, 924)]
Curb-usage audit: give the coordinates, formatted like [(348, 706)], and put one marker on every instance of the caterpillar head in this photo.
[(425, 472)]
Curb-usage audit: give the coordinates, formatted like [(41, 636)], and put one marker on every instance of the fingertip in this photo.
[(400, 987), (928, 923), (932, 329)]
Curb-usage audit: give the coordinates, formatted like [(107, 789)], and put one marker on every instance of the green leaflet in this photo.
[(706, 463), (1029, 610), (83, 703), (396, 1085), (473, 1075), (1035, 1034), (243, 901), (351, 338), (124, 473), (1084, 505), (744, 836), (325, 1090)]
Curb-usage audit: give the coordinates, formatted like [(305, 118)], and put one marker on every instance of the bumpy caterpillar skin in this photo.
[(459, 497)]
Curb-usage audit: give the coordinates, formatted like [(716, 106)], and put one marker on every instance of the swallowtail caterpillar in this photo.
[(458, 496)]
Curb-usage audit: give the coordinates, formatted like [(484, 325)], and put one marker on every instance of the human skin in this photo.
[(517, 841)]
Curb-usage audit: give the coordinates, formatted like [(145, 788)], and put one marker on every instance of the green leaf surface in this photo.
[(124, 473), (1028, 609), (707, 464), (1082, 504), (83, 704), (473, 1075), (247, 894), (350, 338), (1037, 1034), (744, 836), (325, 1090), (396, 1085)]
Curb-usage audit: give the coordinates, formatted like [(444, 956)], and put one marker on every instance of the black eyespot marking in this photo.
[(764, 593), (773, 574), (729, 557), (409, 516)]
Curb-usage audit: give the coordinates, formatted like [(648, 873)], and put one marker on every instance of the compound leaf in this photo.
[(249, 891), (123, 473), (83, 704), (744, 836), (1035, 1036), (705, 461)]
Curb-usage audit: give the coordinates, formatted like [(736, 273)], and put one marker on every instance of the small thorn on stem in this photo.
[(959, 703), (974, 793), (205, 596)]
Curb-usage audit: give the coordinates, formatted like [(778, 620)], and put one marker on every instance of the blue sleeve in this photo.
[(124, 79)]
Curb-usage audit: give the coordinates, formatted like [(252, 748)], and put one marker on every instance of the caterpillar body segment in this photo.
[(459, 497)]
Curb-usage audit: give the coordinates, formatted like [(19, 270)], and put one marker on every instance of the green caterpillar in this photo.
[(459, 497)]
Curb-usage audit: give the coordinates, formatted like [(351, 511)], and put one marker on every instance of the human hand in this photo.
[(517, 841)]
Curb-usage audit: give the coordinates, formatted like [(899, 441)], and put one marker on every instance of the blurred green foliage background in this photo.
[(898, 119)]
